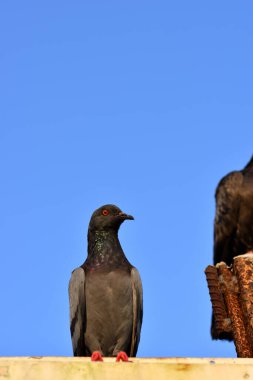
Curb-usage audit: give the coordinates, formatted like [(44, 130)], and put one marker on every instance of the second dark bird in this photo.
[(105, 293), (233, 225)]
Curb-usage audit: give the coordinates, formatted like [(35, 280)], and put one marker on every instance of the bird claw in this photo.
[(122, 356), (96, 357)]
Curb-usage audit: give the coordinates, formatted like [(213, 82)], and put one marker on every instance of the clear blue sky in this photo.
[(144, 104)]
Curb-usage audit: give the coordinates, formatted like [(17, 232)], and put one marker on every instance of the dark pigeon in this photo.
[(105, 293), (233, 225)]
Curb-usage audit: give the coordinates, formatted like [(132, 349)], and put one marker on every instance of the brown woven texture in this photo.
[(231, 293), (229, 289), (243, 266), (219, 308)]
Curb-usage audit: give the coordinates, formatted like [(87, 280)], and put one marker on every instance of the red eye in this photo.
[(105, 212)]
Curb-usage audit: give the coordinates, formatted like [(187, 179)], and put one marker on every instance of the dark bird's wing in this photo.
[(225, 225), (137, 310), (226, 217), (77, 311)]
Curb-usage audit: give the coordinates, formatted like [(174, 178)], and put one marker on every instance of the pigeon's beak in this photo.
[(125, 216)]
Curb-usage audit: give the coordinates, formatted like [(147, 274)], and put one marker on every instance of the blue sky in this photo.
[(142, 104)]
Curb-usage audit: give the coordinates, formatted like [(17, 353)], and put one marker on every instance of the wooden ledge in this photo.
[(68, 368)]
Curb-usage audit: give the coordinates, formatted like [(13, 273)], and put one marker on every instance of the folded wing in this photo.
[(137, 310), (226, 217), (77, 311)]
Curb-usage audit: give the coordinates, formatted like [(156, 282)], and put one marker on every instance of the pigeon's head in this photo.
[(108, 217)]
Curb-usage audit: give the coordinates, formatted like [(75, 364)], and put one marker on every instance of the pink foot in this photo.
[(122, 356), (96, 357)]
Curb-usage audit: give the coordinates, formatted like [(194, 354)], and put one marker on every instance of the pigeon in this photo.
[(105, 293), (233, 224)]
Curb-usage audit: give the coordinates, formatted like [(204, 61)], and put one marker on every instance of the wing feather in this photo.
[(226, 216), (77, 311), (137, 310)]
